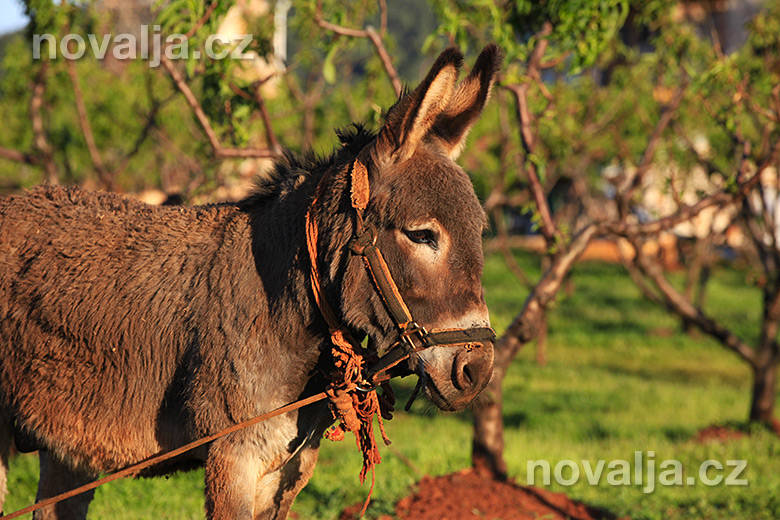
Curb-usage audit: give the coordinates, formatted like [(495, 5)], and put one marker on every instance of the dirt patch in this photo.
[(718, 433), (466, 496)]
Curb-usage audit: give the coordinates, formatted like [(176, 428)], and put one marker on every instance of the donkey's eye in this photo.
[(422, 236)]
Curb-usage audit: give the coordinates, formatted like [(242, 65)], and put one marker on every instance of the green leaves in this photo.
[(594, 106), (46, 17), (328, 67), (581, 29)]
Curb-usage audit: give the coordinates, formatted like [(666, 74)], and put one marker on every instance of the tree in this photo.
[(741, 95), (586, 100)]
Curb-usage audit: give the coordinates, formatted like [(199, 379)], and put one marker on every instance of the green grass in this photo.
[(620, 378)]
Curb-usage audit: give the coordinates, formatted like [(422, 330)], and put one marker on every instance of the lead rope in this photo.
[(135, 469), (353, 407)]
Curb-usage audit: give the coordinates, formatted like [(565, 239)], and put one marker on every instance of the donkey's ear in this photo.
[(410, 120), (453, 124)]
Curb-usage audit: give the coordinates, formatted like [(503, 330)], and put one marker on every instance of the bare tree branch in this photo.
[(387, 62), (768, 346), (680, 305), (526, 324), (192, 101), (382, 18), (683, 214), (526, 124), (488, 440), (270, 136), (525, 120), (686, 213), (672, 298), (376, 38), (86, 129), (755, 234), (338, 29), (202, 20), (639, 280), (497, 209), (219, 151), (39, 132), (535, 63), (17, 156)]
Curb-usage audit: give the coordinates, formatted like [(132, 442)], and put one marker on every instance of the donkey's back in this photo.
[(95, 295)]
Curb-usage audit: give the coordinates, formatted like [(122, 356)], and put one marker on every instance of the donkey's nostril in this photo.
[(469, 370), (468, 378)]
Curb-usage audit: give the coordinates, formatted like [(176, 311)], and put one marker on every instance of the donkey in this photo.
[(127, 330)]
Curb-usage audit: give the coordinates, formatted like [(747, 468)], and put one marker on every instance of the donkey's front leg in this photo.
[(6, 439), (232, 472), (276, 491), (56, 478)]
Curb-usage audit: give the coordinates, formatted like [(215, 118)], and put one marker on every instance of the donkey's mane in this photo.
[(292, 169)]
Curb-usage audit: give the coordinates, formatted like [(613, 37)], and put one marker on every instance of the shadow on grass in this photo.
[(688, 376)]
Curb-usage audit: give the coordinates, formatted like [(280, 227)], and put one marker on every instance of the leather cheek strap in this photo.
[(364, 245), (413, 337)]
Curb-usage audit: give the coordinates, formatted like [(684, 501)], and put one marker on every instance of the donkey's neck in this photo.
[(277, 244), (278, 247), (278, 222)]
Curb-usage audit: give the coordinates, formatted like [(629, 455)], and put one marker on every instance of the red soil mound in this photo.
[(716, 433), (466, 496)]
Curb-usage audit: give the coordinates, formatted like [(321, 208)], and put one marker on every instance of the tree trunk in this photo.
[(487, 449), (541, 343), (692, 277), (487, 446), (764, 388), (541, 335), (767, 359)]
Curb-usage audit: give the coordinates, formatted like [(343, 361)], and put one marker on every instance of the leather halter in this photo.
[(412, 337), (353, 397)]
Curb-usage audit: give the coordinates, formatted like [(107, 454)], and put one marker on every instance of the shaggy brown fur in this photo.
[(126, 329)]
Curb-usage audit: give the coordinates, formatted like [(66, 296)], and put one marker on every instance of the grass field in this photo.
[(621, 378)]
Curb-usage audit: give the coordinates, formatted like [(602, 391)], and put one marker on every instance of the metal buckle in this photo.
[(368, 388), (415, 330)]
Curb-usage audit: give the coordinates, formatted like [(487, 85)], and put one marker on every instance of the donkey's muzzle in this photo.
[(456, 373)]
